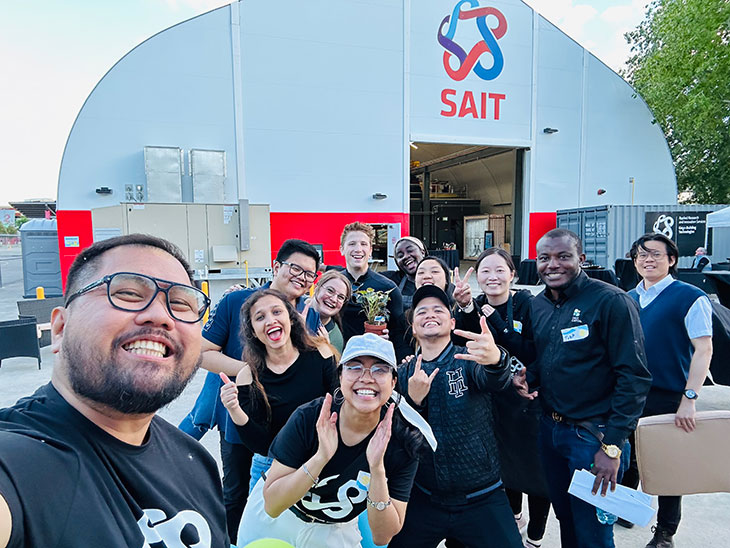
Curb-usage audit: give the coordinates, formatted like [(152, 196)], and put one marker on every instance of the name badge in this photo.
[(575, 333), (517, 326), (363, 480)]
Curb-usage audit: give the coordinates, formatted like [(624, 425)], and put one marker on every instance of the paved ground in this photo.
[(705, 517)]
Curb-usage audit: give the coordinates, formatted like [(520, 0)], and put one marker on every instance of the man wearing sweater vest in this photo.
[(677, 321)]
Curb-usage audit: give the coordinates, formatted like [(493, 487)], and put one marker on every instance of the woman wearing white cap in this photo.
[(336, 457)]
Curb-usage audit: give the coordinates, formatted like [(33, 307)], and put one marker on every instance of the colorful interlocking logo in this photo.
[(471, 61)]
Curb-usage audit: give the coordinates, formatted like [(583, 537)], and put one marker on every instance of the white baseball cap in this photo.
[(369, 344)]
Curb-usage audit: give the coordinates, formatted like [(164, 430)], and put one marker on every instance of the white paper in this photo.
[(626, 503)]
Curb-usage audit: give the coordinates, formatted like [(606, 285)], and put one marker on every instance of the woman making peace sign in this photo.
[(336, 457)]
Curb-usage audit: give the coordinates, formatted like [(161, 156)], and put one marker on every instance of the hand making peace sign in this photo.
[(462, 289), (481, 347)]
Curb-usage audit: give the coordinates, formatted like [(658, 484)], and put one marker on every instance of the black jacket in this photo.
[(590, 355), (459, 410), (516, 419), (353, 319)]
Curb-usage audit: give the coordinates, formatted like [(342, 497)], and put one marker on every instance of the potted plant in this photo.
[(375, 306)]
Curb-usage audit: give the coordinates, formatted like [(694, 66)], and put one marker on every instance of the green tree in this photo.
[(680, 64)]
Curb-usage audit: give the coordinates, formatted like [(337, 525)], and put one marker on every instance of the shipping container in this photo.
[(608, 231)]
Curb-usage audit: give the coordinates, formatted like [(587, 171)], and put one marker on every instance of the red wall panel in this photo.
[(75, 234), (325, 229), (540, 223)]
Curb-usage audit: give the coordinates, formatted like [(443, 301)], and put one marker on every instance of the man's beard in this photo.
[(101, 379)]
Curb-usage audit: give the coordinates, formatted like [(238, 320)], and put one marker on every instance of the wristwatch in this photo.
[(611, 450), (690, 394), (380, 505)]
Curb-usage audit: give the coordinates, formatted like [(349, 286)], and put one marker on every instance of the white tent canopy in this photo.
[(718, 219)]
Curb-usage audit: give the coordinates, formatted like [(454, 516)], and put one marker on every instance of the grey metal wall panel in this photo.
[(208, 169), (163, 169), (623, 225)]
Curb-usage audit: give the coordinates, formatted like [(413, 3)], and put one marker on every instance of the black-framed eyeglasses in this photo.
[(296, 271), (134, 292)]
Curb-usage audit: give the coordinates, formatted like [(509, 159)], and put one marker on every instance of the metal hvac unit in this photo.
[(208, 168), (163, 167)]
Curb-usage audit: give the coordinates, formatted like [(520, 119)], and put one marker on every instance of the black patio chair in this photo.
[(19, 338)]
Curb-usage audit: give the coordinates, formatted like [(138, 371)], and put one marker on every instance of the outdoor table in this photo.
[(721, 281), (527, 272), (449, 256), (626, 273), (603, 274)]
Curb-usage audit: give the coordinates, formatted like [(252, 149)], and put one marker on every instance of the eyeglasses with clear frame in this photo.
[(643, 255), (377, 372), (332, 292), (296, 271), (134, 292)]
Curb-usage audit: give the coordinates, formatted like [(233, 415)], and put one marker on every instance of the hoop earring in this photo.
[(337, 396)]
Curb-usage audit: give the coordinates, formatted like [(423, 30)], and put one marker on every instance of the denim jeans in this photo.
[(565, 448), (259, 465)]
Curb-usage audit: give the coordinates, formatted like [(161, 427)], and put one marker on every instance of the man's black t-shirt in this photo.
[(70, 484), (310, 376), (343, 484)]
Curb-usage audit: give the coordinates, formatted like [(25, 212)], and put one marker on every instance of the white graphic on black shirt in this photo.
[(344, 504), (457, 386), (157, 528)]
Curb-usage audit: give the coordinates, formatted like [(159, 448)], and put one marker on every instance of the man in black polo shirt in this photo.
[(356, 245), (592, 379)]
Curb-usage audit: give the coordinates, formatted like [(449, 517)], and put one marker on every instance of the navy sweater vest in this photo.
[(668, 347)]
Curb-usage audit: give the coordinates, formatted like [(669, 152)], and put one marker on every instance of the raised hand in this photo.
[(229, 398), (322, 332), (327, 430), (419, 385), (379, 442), (481, 347), (519, 381), (462, 289), (306, 308)]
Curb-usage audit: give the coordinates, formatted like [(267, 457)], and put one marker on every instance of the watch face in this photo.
[(380, 505), (612, 451), (690, 394)]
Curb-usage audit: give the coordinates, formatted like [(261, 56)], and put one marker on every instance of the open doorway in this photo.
[(468, 196)]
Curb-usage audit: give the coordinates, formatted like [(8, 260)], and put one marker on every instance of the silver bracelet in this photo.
[(315, 481)]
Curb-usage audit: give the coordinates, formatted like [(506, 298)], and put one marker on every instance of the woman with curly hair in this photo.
[(285, 367)]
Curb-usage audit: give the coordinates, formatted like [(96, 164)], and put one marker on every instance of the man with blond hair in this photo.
[(356, 246)]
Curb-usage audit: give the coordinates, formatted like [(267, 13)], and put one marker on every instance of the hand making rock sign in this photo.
[(480, 347), (420, 383)]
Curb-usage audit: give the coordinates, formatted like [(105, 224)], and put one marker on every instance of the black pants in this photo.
[(658, 402), (484, 523), (236, 476), (539, 509)]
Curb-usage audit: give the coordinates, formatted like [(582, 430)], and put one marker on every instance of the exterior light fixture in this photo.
[(601, 191), (104, 190), (379, 196), (549, 130)]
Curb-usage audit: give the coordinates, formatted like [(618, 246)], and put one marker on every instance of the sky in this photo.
[(53, 52)]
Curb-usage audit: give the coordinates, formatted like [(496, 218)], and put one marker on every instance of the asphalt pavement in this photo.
[(705, 520)]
